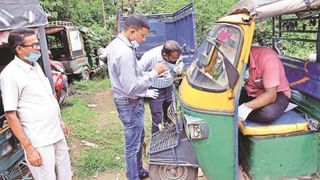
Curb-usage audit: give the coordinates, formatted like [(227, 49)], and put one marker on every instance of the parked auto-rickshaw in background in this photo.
[(15, 14), (66, 44), (207, 101)]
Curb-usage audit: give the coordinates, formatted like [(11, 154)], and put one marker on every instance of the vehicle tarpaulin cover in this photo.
[(269, 8), (21, 13)]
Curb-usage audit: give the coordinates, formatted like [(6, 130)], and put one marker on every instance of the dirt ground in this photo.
[(104, 105)]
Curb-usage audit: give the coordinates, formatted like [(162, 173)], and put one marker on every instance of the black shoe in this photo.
[(143, 174)]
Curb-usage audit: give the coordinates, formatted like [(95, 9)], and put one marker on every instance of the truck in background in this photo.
[(179, 26)]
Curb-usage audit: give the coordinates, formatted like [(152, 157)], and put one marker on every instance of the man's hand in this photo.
[(152, 93), (33, 157), (64, 128), (160, 68), (243, 112), (178, 68)]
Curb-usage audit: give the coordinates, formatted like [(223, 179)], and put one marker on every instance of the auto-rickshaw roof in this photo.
[(269, 8), (21, 13), (57, 26)]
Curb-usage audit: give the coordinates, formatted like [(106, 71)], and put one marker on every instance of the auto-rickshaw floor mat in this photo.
[(289, 122)]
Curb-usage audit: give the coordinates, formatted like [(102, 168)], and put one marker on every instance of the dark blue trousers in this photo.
[(159, 107), (268, 113), (131, 114)]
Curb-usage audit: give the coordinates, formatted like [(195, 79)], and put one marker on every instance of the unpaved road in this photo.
[(104, 106)]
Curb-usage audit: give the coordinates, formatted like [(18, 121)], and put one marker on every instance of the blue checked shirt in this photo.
[(148, 62), (127, 78)]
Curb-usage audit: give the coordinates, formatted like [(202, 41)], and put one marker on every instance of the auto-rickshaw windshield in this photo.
[(208, 71)]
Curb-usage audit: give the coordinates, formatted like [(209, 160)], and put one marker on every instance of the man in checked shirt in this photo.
[(168, 54)]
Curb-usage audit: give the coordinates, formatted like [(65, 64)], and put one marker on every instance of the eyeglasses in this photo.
[(33, 46)]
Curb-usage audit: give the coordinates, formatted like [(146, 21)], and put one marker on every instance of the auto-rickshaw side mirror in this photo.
[(232, 73)]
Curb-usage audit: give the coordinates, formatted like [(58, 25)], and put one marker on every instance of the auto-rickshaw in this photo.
[(15, 14), (207, 102), (66, 44)]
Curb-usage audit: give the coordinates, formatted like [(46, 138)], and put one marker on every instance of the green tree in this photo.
[(85, 13), (207, 11), (100, 15)]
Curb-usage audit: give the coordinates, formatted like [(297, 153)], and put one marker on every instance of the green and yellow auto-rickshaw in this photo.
[(207, 99)]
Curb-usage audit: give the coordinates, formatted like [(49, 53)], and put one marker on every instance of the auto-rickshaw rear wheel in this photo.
[(170, 172)]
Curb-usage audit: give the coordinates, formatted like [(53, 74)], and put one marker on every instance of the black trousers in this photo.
[(268, 113)]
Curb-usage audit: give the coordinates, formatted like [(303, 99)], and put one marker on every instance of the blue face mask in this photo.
[(170, 66), (33, 57)]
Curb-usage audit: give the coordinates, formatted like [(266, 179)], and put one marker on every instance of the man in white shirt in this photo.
[(167, 54), (32, 111)]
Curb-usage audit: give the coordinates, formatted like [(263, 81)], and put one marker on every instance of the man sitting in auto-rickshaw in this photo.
[(266, 93)]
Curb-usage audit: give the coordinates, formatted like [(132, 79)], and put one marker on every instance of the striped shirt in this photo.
[(148, 62)]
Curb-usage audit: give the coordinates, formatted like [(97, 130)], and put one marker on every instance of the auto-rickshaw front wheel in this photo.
[(171, 172)]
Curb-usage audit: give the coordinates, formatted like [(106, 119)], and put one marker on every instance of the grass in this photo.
[(90, 86), (95, 126)]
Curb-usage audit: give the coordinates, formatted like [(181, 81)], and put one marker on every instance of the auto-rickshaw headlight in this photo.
[(196, 127)]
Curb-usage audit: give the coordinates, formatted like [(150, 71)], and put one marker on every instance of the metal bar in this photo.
[(295, 39), (280, 27), (299, 19), (273, 32), (318, 42), (45, 56), (298, 31)]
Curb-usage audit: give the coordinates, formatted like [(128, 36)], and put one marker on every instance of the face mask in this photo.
[(170, 66), (172, 62), (33, 57)]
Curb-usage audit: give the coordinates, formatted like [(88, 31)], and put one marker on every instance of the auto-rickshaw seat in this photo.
[(289, 122)]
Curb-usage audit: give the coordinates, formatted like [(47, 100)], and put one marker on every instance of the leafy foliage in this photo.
[(288, 46), (207, 11), (84, 13), (56, 9), (91, 13)]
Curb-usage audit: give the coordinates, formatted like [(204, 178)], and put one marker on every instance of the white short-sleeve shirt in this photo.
[(26, 90)]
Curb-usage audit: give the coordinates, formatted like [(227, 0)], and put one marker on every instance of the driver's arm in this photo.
[(268, 97)]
